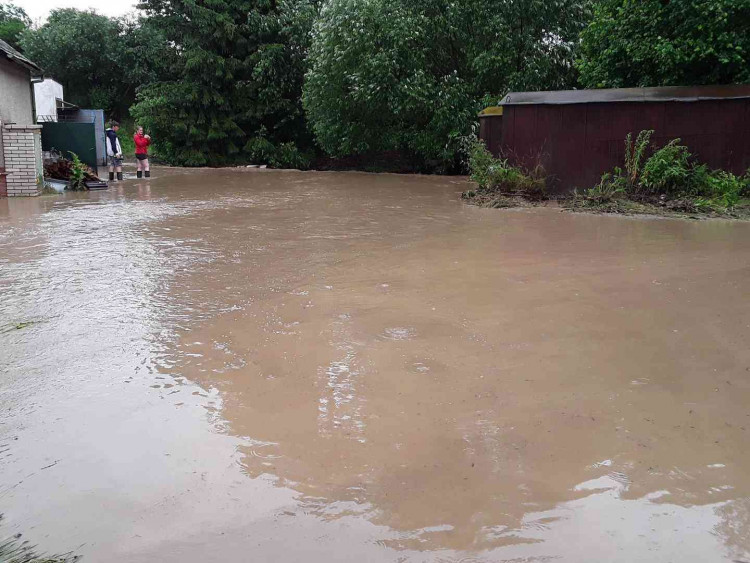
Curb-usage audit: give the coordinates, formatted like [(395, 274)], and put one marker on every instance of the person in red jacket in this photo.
[(141, 152)]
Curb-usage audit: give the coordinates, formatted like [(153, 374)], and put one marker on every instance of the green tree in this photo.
[(240, 66), (633, 43), (100, 61), (13, 21), (410, 75)]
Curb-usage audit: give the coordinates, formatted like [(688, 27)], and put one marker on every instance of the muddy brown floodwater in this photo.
[(278, 366)]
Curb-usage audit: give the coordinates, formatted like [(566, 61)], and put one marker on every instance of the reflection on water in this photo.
[(218, 365)]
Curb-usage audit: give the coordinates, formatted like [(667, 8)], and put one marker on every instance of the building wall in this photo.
[(577, 143), (46, 94), (22, 150), (15, 94)]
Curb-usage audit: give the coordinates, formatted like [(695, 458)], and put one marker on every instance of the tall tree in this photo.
[(100, 61), (410, 75), (666, 42), (13, 21), (240, 67)]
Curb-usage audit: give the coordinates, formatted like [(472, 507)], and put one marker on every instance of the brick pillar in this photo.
[(3, 185), (23, 159)]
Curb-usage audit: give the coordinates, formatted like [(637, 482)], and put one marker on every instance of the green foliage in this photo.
[(481, 163), (666, 42), (125, 135), (668, 174), (668, 169), (410, 75), (634, 153), (13, 21), (239, 68), (612, 186), (283, 155), (100, 61), (719, 189), (77, 174), (497, 179)]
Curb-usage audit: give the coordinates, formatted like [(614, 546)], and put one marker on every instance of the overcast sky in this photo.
[(40, 9)]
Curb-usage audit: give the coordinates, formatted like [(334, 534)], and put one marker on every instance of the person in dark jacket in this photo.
[(114, 151), (141, 152)]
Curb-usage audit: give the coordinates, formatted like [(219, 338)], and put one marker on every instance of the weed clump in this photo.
[(665, 179), (498, 184)]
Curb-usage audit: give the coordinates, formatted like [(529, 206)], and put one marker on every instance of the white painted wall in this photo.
[(46, 94), (15, 93)]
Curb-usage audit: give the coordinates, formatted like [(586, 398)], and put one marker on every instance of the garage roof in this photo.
[(661, 94)]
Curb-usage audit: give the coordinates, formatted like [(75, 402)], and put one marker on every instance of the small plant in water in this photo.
[(77, 174)]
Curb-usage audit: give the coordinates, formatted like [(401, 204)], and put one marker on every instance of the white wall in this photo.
[(46, 94), (15, 93)]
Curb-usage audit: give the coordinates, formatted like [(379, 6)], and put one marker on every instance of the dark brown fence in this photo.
[(577, 140)]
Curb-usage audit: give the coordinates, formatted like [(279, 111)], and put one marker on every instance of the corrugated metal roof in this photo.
[(661, 94), (18, 58)]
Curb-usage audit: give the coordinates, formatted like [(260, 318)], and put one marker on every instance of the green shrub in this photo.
[(497, 175), (612, 186), (481, 162), (721, 189), (77, 174), (669, 174), (284, 155), (668, 169)]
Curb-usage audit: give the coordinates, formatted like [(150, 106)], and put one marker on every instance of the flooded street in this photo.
[(251, 365)]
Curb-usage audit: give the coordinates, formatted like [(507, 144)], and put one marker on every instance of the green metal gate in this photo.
[(79, 138)]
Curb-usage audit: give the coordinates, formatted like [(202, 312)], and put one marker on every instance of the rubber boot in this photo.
[(139, 174), (111, 176), (148, 173), (119, 176)]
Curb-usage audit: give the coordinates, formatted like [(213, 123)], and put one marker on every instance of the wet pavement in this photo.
[(251, 365)]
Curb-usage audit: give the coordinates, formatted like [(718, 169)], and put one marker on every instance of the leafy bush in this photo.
[(481, 163), (720, 189), (283, 155), (668, 169), (669, 174), (77, 174), (495, 176), (612, 186)]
